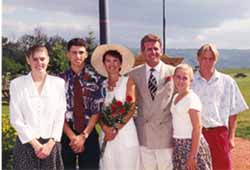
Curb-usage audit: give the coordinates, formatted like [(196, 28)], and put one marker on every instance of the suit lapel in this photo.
[(161, 81), (163, 84)]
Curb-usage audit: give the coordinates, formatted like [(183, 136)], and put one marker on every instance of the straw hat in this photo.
[(128, 58)]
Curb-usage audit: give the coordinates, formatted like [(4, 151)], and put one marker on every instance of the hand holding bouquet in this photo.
[(114, 114)]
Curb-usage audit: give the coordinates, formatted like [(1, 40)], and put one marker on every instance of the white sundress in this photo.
[(122, 153)]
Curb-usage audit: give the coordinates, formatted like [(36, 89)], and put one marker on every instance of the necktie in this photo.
[(78, 109), (152, 83)]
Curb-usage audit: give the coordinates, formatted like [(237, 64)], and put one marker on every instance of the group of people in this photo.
[(182, 120)]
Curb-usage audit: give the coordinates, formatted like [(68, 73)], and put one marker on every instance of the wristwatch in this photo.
[(85, 134)]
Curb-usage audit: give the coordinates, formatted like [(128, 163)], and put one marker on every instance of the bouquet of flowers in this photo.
[(114, 114)]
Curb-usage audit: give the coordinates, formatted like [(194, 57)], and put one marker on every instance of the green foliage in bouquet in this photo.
[(115, 112)]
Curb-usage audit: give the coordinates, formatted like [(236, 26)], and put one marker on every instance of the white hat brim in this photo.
[(128, 58)]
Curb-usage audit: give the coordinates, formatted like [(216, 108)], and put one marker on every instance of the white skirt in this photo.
[(122, 153)]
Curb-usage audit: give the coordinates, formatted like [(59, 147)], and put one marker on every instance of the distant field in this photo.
[(243, 129)]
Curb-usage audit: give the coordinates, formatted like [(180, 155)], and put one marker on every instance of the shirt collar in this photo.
[(73, 74), (157, 67), (33, 91), (215, 76)]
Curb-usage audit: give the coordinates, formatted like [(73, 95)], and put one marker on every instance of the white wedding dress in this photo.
[(122, 153)]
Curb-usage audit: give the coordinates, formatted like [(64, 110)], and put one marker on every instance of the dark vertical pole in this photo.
[(164, 27), (103, 21)]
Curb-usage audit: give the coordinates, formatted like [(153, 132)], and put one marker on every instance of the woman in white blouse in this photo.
[(37, 107), (191, 151)]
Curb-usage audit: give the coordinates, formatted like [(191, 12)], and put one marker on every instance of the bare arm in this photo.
[(232, 124), (110, 133), (77, 141), (131, 91), (68, 131), (82, 137), (196, 134), (74, 138), (91, 124)]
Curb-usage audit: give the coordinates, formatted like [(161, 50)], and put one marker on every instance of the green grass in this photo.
[(5, 108), (243, 128), (236, 70)]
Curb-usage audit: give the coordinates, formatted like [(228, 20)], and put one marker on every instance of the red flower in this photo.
[(113, 108), (86, 77), (168, 78), (114, 113), (129, 99), (122, 110), (118, 103)]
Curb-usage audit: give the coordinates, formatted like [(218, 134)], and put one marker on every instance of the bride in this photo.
[(122, 149)]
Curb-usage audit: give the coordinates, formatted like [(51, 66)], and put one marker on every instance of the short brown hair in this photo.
[(76, 42), (150, 38), (114, 53), (208, 47), (35, 48)]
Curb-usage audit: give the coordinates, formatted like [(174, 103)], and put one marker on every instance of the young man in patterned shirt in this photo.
[(80, 145)]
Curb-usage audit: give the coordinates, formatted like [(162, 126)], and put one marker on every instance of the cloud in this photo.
[(206, 13), (189, 22), (76, 7), (8, 8), (230, 33), (24, 19)]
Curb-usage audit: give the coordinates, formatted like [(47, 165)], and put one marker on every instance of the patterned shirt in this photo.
[(220, 97), (93, 92)]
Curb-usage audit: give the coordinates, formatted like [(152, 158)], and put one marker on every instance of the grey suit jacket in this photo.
[(154, 121)]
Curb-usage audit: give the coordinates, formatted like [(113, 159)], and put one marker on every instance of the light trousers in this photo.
[(156, 159)]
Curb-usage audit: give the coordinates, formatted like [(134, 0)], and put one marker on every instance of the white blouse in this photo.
[(182, 124), (33, 115)]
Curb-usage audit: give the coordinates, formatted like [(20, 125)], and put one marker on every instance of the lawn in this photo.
[(243, 129)]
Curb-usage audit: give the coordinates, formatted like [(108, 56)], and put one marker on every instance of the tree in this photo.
[(91, 45), (12, 57), (27, 40), (58, 58), (10, 66), (14, 53)]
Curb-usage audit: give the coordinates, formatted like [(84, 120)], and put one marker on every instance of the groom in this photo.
[(155, 88)]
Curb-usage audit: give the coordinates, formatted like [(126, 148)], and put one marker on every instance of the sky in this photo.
[(189, 23)]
